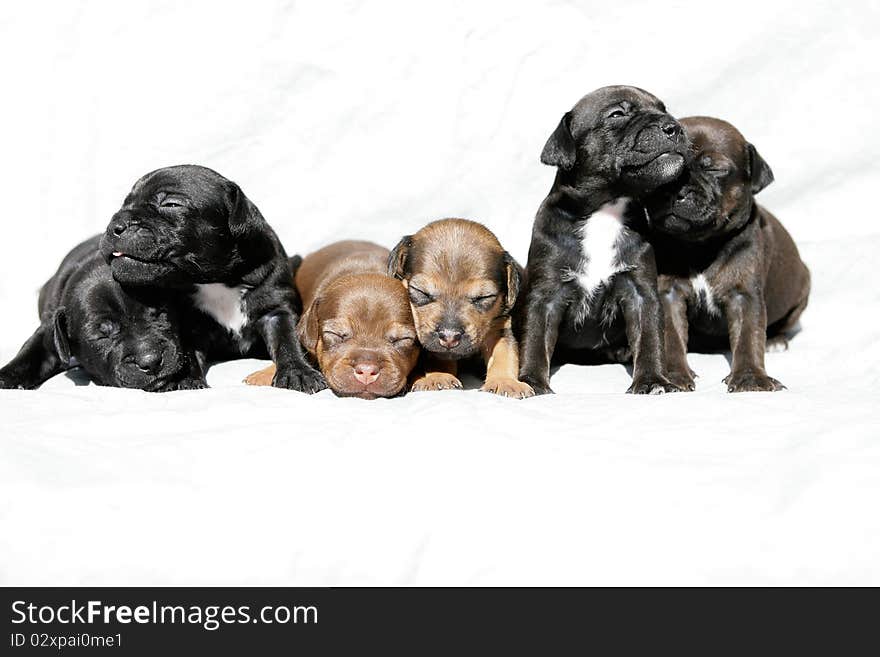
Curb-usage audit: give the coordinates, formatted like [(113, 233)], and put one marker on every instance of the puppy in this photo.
[(357, 324), (728, 268), (591, 281), (462, 285), (192, 232), (125, 339)]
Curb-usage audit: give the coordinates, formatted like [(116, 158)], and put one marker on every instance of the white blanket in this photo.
[(366, 121)]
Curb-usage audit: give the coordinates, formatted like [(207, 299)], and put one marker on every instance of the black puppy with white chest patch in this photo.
[(190, 231), (591, 280), (729, 272), (120, 338)]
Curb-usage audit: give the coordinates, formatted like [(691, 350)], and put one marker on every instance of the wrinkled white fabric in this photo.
[(366, 120)]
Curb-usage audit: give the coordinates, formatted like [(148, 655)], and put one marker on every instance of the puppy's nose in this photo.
[(449, 338), (149, 361), (366, 373), (671, 129), (118, 227)]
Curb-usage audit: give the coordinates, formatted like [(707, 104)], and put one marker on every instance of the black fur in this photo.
[(187, 225), (122, 339), (617, 142)]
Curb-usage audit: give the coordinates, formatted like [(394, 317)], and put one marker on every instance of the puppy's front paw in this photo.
[(650, 384), (436, 381), (682, 381), (751, 381), (9, 384), (187, 383), (507, 387), (261, 377), (538, 387), (303, 379)]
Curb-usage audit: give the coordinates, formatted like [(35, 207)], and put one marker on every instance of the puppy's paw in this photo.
[(10, 384), (538, 387), (650, 384), (261, 377), (751, 381), (507, 387), (436, 381), (187, 383), (303, 379), (681, 381)]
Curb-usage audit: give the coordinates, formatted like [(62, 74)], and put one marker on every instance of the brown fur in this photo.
[(461, 280), (355, 315), (759, 284)]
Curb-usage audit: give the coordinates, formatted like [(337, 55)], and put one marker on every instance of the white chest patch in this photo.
[(225, 304), (703, 292), (599, 237)]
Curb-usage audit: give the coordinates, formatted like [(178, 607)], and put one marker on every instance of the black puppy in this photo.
[(191, 231), (119, 339), (727, 266), (591, 281)]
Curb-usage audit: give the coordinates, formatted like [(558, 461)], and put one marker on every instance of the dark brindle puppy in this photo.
[(727, 267), (462, 286), (191, 231), (591, 281), (357, 324), (121, 338)]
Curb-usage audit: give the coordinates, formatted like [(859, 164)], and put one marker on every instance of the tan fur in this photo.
[(454, 262), (354, 313), (262, 377)]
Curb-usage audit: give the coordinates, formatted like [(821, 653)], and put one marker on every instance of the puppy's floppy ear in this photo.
[(59, 334), (247, 225), (759, 171), (397, 259), (307, 327), (560, 150), (514, 280), (294, 261)]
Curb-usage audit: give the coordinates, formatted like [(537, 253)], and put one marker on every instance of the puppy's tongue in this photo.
[(117, 254)]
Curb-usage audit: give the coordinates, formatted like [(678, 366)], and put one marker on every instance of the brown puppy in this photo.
[(727, 268), (462, 286), (357, 324)]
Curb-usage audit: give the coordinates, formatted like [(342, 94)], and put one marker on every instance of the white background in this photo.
[(366, 120)]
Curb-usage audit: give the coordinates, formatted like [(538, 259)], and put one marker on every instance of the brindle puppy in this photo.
[(462, 286), (727, 267), (357, 324)]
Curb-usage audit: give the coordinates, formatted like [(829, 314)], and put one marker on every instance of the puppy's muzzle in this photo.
[(127, 236), (449, 338), (657, 137), (366, 372), (449, 342), (147, 365), (149, 361)]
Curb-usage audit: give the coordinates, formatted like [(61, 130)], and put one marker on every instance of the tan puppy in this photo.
[(357, 324), (462, 286)]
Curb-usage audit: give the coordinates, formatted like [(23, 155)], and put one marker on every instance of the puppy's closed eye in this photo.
[(419, 297), (333, 338), (485, 301)]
